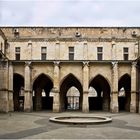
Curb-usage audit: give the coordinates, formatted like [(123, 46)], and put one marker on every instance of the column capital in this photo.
[(134, 64), (136, 43), (113, 42), (57, 42), (10, 63), (56, 63), (85, 42), (114, 63), (28, 63), (85, 63)]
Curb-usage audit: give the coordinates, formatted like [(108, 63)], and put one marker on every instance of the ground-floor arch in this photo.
[(18, 92), (101, 101), (70, 81), (124, 94), (42, 99)]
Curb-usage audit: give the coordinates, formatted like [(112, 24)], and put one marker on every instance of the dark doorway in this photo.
[(95, 101), (18, 95), (102, 100), (124, 96), (42, 100), (68, 82)]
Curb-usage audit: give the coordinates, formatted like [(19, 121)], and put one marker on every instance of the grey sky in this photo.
[(70, 12)]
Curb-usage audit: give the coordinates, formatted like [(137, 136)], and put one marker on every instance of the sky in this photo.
[(70, 13)]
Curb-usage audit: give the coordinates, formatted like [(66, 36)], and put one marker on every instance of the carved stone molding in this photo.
[(56, 63), (114, 63), (134, 64), (86, 63), (28, 63)]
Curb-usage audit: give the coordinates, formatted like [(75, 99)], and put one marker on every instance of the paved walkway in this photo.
[(36, 125)]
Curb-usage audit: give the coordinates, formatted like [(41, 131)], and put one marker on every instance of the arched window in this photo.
[(73, 95)]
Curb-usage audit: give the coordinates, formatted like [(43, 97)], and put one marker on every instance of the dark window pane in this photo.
[(125, 56), (43, 50), (43, 56), (99, 49), (71, 49), (17, 49), (125, 50), (17, 56), (71, 56), (99, 56)]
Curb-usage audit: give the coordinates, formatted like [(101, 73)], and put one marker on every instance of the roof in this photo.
[(70, 32)]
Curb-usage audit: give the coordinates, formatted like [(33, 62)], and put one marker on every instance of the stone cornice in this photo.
[(72, 39), (68, 61)]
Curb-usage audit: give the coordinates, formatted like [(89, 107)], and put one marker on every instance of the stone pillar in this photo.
[(56, 90), (85, 105), (106, 102), (38, 99), (133, 88), (114, 95), (27, 88), (4, 102), (11, 104)]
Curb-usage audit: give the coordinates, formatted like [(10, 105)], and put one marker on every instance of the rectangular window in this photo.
[(99, 53), (125, 53), (71, 53), (17, 53), (43, 53)]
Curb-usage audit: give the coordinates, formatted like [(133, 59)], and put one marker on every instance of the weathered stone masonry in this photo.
[(104, 58)]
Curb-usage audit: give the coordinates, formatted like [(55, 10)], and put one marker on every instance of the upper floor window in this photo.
[(43, 53), (71, 53), (17, 53), (99, 53), (125, 53)]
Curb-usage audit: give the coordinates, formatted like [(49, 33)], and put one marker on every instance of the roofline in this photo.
[(26, 26)]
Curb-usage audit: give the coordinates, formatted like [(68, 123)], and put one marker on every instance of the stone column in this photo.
[(114, 94), (85, 105), (133, 88), (11, 104), (4, 102), (27, 88), (38, 99), (56, 90)]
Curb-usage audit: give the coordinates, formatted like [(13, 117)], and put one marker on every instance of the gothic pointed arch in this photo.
[(125, 84), (103, 89), (103, 77), (69, 81), (42, 99), (40, 75), (18, 92)]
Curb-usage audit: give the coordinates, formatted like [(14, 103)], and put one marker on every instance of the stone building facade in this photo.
[(40, 64)]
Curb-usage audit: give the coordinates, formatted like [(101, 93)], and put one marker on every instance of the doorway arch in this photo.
[(102, 100), (42, 99), (18, 92), (68, 82), (124, 99)]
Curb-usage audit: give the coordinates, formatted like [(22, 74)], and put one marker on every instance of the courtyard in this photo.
[(36, 125)]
